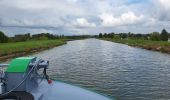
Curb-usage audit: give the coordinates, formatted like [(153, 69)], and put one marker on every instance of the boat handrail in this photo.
[(4, 65)]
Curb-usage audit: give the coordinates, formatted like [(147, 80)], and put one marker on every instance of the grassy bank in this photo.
[(9, 50), (161, 46)]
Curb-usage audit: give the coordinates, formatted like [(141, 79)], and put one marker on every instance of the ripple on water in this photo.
[(116, 70)]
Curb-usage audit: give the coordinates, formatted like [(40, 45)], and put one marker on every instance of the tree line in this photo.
[(40, 36), (25, 37), (154, 36)]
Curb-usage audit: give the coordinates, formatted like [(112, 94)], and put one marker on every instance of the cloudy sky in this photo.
[(83, 16)]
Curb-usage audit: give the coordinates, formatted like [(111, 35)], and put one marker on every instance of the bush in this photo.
[(3, 38)]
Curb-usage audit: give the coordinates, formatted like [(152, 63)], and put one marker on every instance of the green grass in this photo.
[(162, 46), (17, 47), (139, 42)]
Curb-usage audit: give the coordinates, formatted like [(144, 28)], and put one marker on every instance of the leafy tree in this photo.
[(130, 35), (100, 35), (46, 36), (111, 35), (164, 35), (105, 35), (123, 35), (155, 36), (22, 37), (147, 36), (116, 36), (3, 38), (138, 35)]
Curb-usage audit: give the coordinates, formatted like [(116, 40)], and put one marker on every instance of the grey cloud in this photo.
[(82, 16)]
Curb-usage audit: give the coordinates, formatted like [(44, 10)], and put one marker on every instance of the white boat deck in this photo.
[(62, 91)]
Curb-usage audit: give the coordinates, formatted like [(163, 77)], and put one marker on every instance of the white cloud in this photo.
[(83, 23), (160, 10), (165, 3), (109, 20)]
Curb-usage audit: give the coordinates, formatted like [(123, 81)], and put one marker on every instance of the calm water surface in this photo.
[(113, 69)]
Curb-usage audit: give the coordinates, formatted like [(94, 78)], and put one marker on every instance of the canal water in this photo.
[(116, 70)]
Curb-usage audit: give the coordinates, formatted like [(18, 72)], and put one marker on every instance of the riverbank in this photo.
[(10, 50), (161, 46)]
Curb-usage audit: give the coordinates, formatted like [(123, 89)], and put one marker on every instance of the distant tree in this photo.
[(155, 36), (3, 38), (28, 36), (138, 35), (22, 37), (130, 34), (112, 35), (164, 35), (116, 36), (78, 36), (62, 36), (147, 36), (105, 35), (46, 36), (123, 35), (100, 35)]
